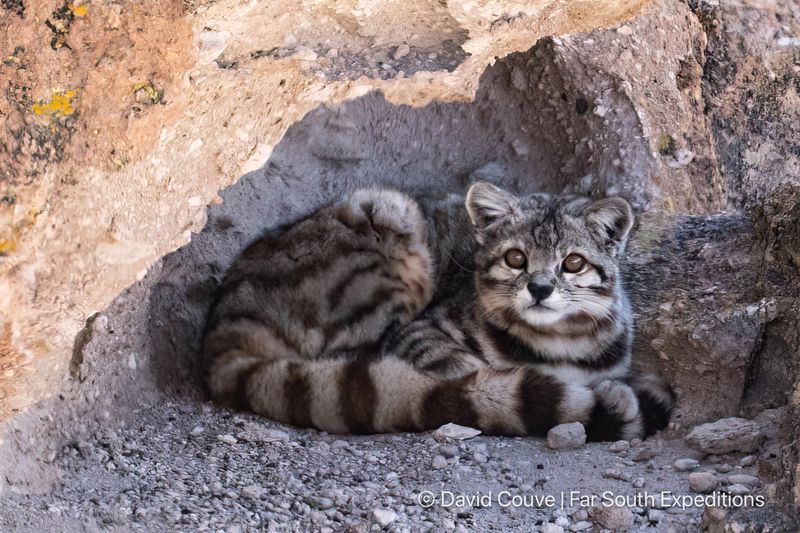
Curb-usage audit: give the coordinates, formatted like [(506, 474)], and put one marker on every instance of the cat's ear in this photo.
[(487, 204), (611, 218)]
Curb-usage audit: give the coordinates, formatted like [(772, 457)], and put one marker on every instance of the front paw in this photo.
[(616, 414)]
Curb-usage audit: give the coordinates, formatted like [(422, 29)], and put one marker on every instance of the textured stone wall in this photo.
[(690, 110), (122, 120)]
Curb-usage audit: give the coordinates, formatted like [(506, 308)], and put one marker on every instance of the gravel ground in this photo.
[(188, 466)]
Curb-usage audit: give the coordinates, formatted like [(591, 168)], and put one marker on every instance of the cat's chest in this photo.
[(579, 360)]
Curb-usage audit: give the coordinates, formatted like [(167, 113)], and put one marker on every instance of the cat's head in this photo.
[(546, 260)]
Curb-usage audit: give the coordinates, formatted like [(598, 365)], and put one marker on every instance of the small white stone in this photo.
[(227, 439), (738, 490), (620, 446), (253, 492), (454, 431), (552, 528), (613, 473), (384, 517), (748, 460), (788, 41), (580, 515), (438, 462), (684, 465), (305, 54), (566, 436), (197, 430), (743, 479), (401, 51), (625, 30)]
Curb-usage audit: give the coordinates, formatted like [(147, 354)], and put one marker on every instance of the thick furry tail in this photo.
[(656, 398), (390, 395), (634, 408)]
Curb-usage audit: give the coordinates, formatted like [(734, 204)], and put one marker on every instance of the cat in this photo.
[(386, 313)]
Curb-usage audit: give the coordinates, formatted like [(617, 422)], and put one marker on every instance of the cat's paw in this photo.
[(616, 413), (577, 403)]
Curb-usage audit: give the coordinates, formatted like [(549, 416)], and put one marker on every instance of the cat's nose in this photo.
[(540, 291)]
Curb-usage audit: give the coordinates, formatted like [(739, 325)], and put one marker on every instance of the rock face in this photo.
[(690, 110)]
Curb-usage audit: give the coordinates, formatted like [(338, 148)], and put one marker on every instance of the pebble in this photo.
[(738, 490), (723, 468), (480, 458), (401, 51), (684, 465), (454, 431), (613, 473), (726, 436), (448, 450), (702, 482), (384, 517), (620, 446), (580, 515), (655, 515), (748, 460), (552, 528), (253, 492), (227, 439), (439, 462), (580, 526), (613, 517), (566, 436), (743, 479), (197, 430), (644, 454), (625, 30)]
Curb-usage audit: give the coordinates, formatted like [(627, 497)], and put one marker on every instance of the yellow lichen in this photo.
[(60, 104), (78, 11), (147, 93), (7, 245)]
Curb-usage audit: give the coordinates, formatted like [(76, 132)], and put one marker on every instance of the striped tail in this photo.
[(389, 395)]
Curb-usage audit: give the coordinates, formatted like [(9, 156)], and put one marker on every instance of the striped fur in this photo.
[(383, 313)]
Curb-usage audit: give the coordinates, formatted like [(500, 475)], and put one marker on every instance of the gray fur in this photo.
[(386, 313)]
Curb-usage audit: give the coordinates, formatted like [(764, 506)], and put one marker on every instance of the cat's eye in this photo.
[(515, 258), (573, 263)]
